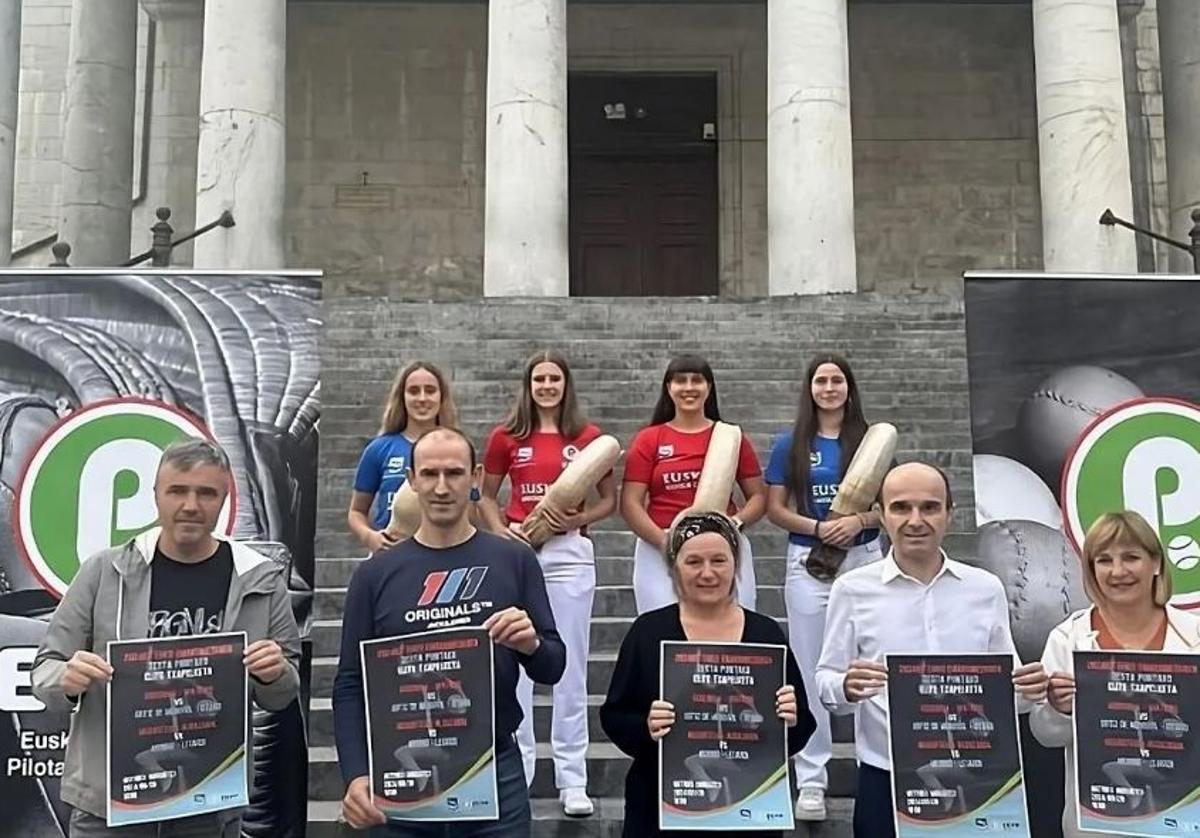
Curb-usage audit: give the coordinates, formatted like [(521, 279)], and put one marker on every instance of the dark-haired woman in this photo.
[(704, 553), (803, 474), (662, 471), (419, 400), (543, 432)]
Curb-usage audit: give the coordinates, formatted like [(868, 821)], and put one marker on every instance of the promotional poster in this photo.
[(1137, 757), (176, 727), (724, 763), (99, 371), (955, 746), (431, 725)]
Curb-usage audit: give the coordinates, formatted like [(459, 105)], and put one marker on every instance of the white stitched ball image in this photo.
[(1041, 576), (1006, 490), (1183, 552), (1059, 409)]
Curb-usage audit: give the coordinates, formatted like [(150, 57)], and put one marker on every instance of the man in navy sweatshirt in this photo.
[(505, 593)]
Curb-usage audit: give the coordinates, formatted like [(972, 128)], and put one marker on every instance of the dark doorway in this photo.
[(643, 181)]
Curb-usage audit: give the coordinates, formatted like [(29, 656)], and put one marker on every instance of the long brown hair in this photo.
[(522, 419), (854, 426), (395, 415)]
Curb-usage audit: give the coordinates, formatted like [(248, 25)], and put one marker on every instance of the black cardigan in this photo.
[(635, 684)]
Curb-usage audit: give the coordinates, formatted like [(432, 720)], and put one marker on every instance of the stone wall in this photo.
[(945, 142), (943, 108)]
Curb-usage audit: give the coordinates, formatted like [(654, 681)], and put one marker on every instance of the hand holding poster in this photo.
[(431, 725), (176, 727), (724, 763), (956, 758), (1137, 767)]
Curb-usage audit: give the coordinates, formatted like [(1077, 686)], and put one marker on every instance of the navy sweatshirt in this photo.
[(412, 588)]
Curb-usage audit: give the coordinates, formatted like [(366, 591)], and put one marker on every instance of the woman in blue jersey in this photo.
[(806, 467), (418, 401)]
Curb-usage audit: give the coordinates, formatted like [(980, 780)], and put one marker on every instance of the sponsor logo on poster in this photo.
[(1142, 455), (89, 484)]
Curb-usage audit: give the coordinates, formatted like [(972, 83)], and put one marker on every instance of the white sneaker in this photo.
[(576, 803), (810, 804)]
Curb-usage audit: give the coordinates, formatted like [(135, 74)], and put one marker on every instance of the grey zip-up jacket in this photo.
[(109, 599)]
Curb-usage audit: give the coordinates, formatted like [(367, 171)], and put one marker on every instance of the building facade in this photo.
[(442, 150)]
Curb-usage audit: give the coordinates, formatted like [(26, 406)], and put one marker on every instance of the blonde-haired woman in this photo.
[(1129, 584), (418, 400)]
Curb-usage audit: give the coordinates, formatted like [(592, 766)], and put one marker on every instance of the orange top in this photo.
[(1107, 640)]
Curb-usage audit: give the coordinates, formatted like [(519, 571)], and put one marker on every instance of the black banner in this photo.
[(724, 763), (431, 725), (955, 751), (176, 727), (136, 360), (1136, 758)]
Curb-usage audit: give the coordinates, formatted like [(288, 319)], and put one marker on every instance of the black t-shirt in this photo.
[(189, 598)]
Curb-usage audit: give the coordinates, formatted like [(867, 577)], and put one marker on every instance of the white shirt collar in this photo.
[(890, 571)]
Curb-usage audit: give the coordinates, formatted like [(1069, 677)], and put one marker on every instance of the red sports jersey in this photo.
[(532, 464), (669, 462)]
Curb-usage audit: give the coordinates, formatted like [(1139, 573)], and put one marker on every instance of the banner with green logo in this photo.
[(99, 373), (1083, 400)]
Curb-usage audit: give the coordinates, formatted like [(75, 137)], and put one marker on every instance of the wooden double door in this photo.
[(643, 184)]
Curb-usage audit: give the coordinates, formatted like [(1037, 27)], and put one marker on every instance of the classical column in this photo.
[(1179, 45), (97, 157), (243, 145), (174, 123), (10, 70), (1082, 141), (810, 165), (525, 215)]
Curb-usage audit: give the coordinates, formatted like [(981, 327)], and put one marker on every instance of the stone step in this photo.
[(550, 822), (606, 767), (320, 721), (609, 601)]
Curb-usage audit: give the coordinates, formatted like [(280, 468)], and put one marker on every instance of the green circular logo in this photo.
[(1143, 455), (90, 484)]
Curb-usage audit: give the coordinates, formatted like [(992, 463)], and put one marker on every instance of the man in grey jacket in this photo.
[(176, 580)]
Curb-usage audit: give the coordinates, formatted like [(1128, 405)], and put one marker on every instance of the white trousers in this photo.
[(652, 586), (569, 566), (806, 600)]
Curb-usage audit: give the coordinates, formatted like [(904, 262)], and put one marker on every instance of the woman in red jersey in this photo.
[(662, 470), (543, 433)]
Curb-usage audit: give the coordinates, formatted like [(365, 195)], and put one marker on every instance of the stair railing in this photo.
[(1108, 219)]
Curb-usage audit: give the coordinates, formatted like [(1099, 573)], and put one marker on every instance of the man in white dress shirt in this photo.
[(916, 600)]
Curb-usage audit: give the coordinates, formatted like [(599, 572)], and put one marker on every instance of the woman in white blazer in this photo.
[(1129, 585)]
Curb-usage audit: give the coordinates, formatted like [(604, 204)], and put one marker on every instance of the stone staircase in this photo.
[(908, 352)]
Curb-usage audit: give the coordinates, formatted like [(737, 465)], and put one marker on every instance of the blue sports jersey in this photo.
[(381, 472), (825, 466)]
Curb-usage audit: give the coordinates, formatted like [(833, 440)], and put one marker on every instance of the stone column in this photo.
[(174, 117), (525, 249), (10, 71), (810, 164), (1179, 45), (243, 144), (97, 157), (1083, 144)]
